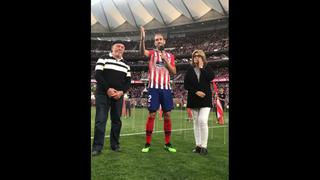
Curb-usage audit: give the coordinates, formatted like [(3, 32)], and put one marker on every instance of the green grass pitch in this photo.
[(131, 163)]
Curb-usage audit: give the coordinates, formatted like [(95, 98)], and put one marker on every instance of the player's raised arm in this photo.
[(142, 48)]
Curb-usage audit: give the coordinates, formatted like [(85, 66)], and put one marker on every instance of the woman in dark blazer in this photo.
[(197, 81)]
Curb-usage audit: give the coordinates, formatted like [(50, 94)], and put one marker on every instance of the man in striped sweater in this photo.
[(113, 78)]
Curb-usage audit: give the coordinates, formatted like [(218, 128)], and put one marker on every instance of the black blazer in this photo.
[(192, 85)]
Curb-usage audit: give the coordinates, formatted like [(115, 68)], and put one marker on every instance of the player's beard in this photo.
[(159, 45)]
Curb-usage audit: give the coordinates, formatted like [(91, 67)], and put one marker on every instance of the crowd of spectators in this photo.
[(184, 44), (178, 44)]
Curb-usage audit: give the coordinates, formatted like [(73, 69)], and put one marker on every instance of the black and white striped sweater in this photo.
[(112, 73)]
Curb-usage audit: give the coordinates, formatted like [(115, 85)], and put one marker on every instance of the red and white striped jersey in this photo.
[(158, 75)]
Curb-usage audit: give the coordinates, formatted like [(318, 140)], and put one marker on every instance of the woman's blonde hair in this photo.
[(202, 54)]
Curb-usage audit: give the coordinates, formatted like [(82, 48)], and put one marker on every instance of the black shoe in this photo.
[(115, 148), (95, 153), (204, 151), (196, 149)]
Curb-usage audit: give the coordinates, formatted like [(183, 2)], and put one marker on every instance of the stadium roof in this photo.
[(129, 15)]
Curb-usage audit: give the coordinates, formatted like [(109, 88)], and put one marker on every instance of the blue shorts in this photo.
[(160, 96)]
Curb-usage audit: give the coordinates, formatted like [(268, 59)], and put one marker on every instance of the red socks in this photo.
[(149, 129), (167, 130)]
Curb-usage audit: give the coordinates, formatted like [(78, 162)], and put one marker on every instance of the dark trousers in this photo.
[(222, 104), (103, 105), (128, 109)]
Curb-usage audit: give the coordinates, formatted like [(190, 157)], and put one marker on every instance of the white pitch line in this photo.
[(131, 134)]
